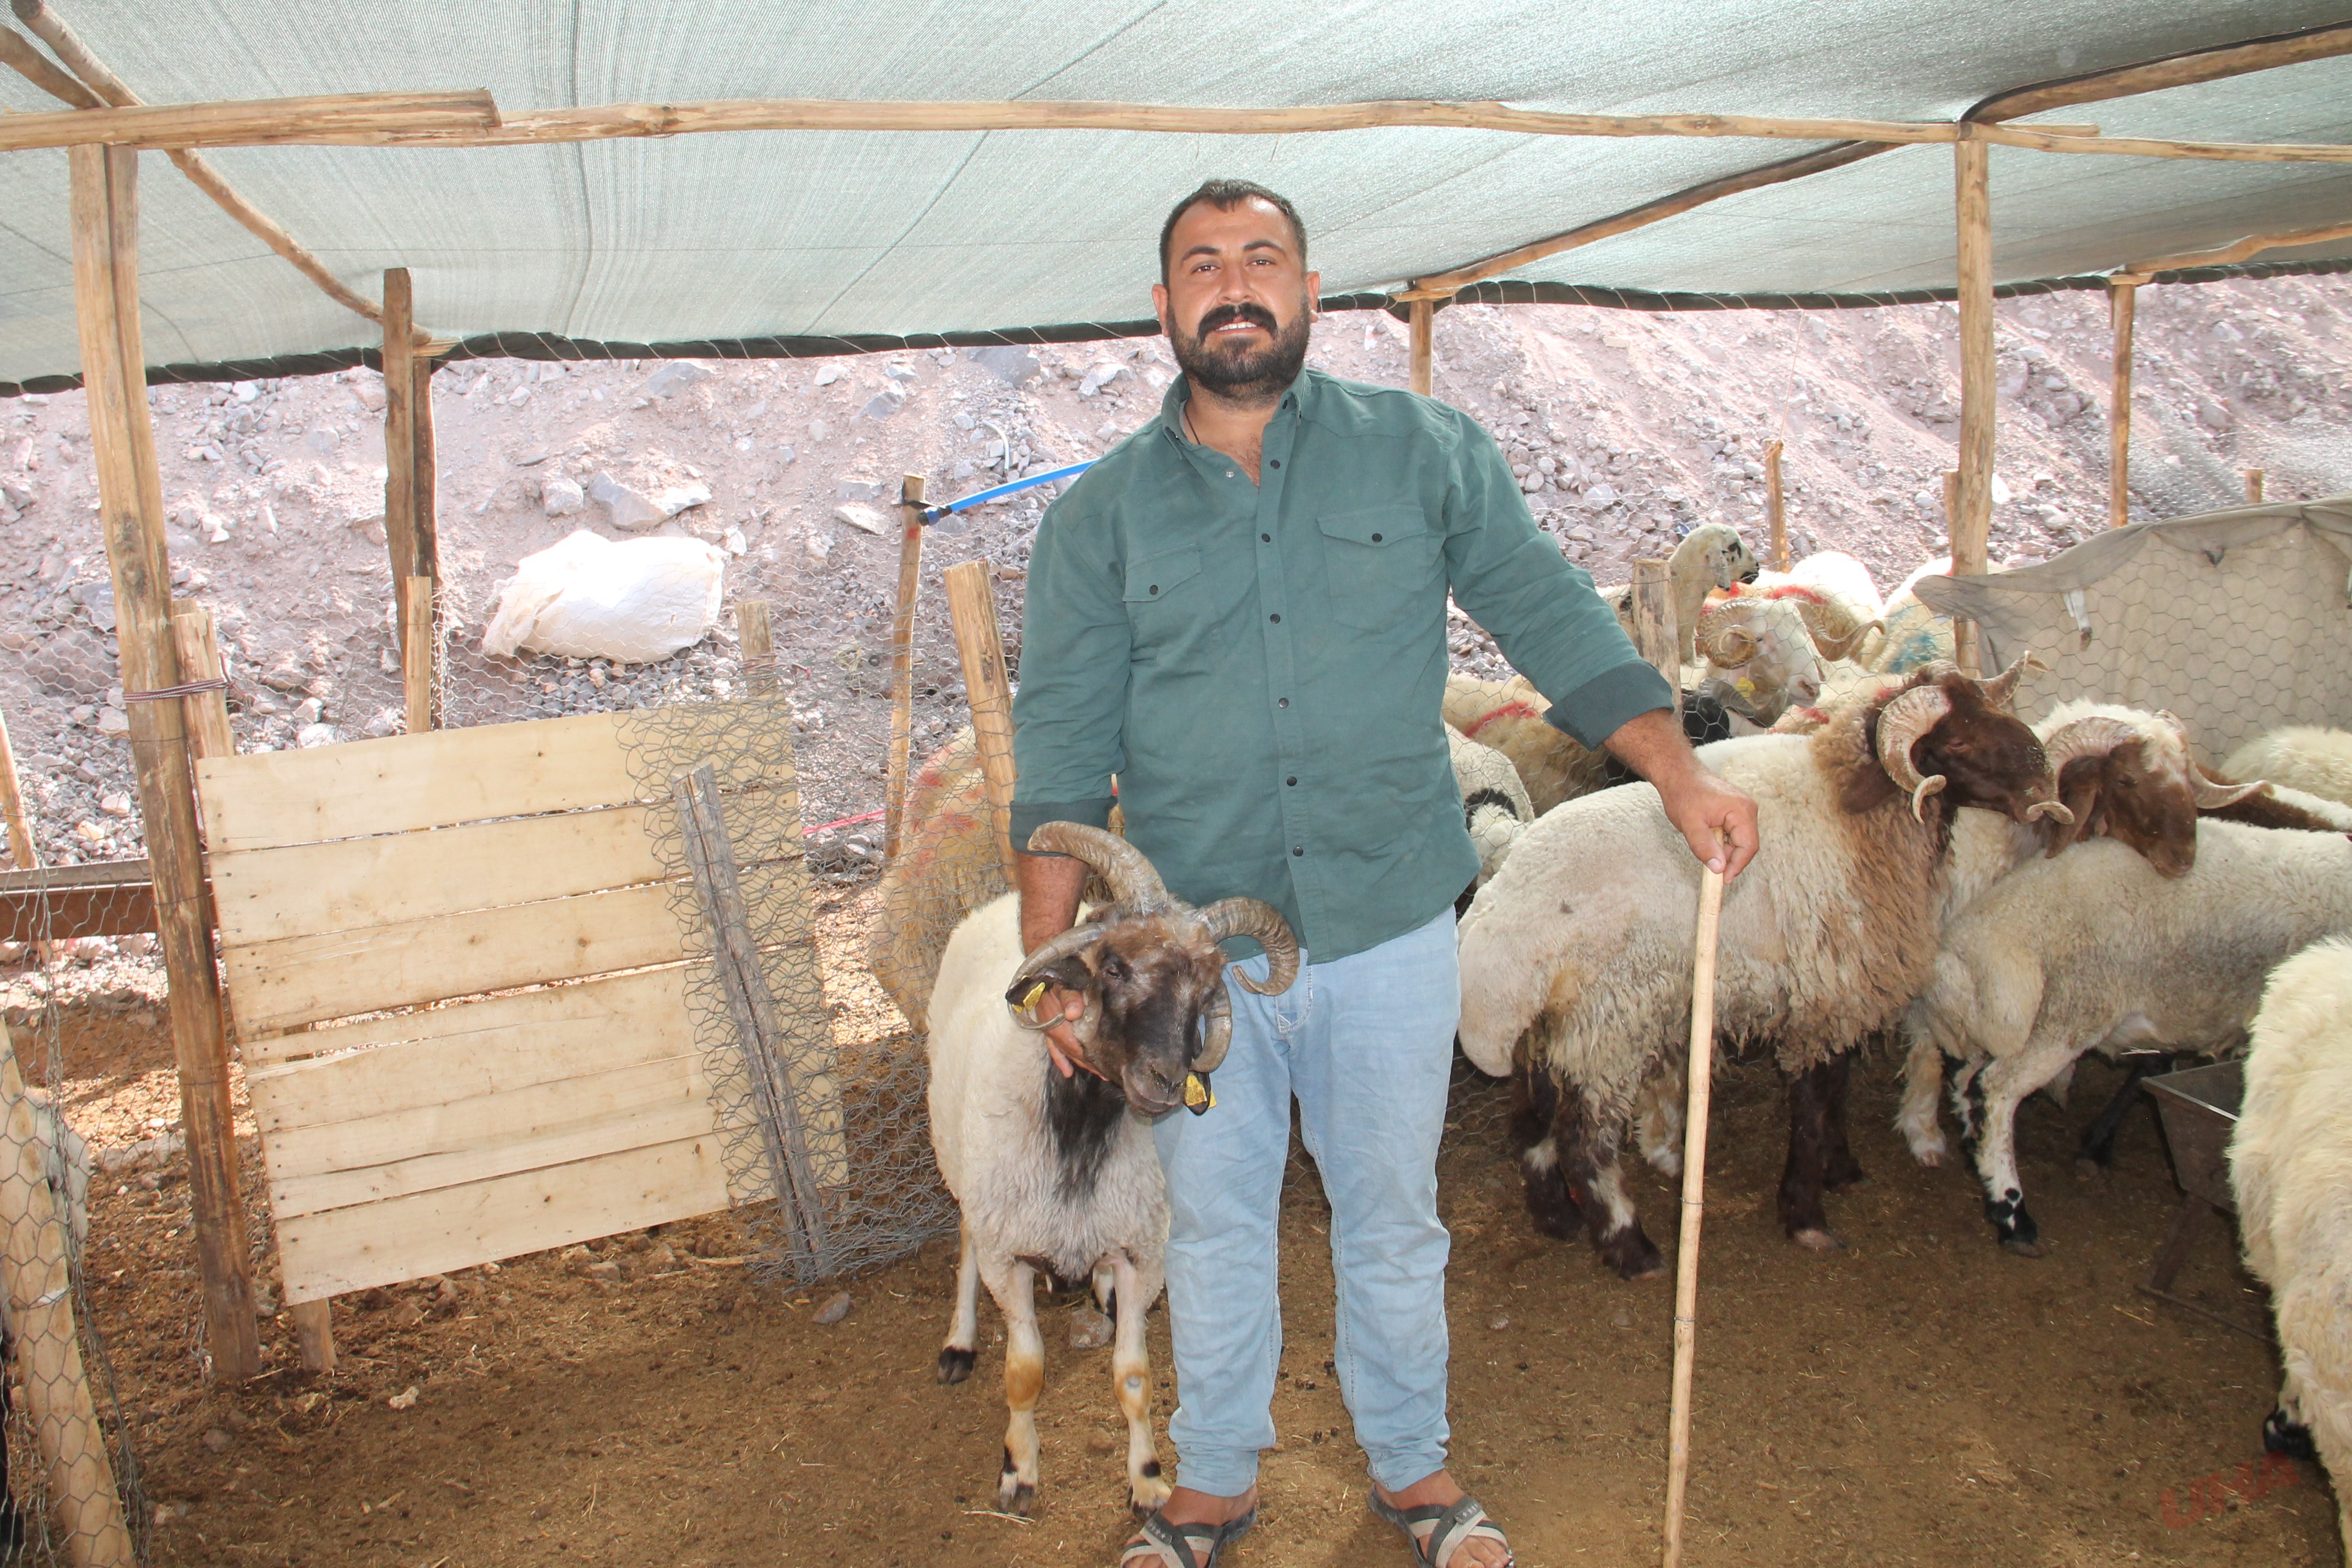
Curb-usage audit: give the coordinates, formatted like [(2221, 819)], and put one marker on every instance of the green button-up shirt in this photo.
[(1261, 665)]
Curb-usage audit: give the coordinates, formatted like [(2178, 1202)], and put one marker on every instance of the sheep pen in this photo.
[(644, 1401), (644, 1398)]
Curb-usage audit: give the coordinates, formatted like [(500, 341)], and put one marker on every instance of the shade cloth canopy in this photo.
[(823, 241)]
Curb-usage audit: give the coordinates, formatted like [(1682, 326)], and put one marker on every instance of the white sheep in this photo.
[(2124, 773), (2099, 949), (2291, 1170), (2300, 757), (1576, 959), (1061, 1173), (1495, 805)]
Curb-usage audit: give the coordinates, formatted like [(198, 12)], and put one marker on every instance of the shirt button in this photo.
[(1292, 779), (1376, 539), (1266, 539), (1299, 849), (1275, 463), (1229, 473), (1282, 702), (1155, 587), (1275, 619)]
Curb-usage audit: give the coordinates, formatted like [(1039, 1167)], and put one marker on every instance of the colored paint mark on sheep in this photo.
[(2211, 1496), (1507, 710)]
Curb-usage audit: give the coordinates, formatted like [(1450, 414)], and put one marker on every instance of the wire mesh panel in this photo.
[(837, 1133), (2233, 620)]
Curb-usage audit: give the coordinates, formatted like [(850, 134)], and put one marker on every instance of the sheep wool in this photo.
[(1825, 937), (2095, 949), (2291, 1168), (2300, 757)]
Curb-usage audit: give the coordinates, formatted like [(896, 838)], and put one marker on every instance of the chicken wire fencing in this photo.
[(69, 1477), (830, 1140)]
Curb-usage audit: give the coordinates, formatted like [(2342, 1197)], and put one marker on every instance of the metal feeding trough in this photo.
[(2199, 1111)]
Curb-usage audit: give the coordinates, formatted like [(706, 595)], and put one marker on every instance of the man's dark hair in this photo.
[(1225, 196)]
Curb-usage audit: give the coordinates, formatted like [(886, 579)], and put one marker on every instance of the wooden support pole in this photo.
[(1656, 637), (1702, 1084), (122, 442), (98, 85), (979, 648), (1421, 359), (85, 1511), (2254, 486), (410, 536), (2122, 297), (1776, 508), (206, 714), (418, 654), (755, 638), (902, 660), (1972, 525), (24, 850), (314, 1333)]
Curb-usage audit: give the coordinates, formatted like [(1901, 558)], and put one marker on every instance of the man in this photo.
[(1240, 612)]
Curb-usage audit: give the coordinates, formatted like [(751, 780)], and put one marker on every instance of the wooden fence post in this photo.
[(417, 654), (1775, 508), (84, 1507), (755, 638), (2122, 297), (24, 853), (902, 660), (1656, 637), (411, 535), (122, 442), (979, 648), (198, 647), (1420, 357), (1972, 522)]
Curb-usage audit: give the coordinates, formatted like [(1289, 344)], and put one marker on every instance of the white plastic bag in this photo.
[(587, 596)]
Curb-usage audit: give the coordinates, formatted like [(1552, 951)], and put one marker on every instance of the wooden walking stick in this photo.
[(1701, 1070)]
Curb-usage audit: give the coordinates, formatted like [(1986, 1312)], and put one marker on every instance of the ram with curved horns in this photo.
[(1059, 1173), (1576, 959)]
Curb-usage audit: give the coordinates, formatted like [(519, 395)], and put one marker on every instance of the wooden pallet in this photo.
[(458, 983)]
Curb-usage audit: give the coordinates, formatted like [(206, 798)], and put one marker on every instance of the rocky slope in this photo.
[(1627, 427)]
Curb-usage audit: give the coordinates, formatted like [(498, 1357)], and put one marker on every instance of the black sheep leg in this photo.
[(1815, 1103), (1840, 1169)]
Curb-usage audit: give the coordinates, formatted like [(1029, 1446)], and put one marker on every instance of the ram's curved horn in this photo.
[(2212, 795), (1120, 864), (1264, 922), (2001, 689), (1216, 1032), (1835, 632), (1901, 723), (1052, 951), (1723, 637), (2172, 722), (2094, 736)]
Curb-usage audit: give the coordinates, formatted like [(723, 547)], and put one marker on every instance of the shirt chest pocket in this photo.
[(1163, 592), (1378, 561)]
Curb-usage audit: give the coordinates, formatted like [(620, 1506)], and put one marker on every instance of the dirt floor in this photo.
[(1921, 1397)]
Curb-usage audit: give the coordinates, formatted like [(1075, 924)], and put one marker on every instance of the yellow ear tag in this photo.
[(1198, 1097), (1029, 1002), (1745, 687)]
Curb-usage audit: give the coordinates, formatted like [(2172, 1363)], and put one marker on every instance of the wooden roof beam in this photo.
[(98, 85), (2095, 86)]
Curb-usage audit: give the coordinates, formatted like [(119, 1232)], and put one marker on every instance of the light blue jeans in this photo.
[(1366, 1044)]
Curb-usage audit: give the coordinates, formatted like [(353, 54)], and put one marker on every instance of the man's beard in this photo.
[(1244, 375)]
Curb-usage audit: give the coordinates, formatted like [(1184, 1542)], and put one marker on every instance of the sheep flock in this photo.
[(1991, 898)]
